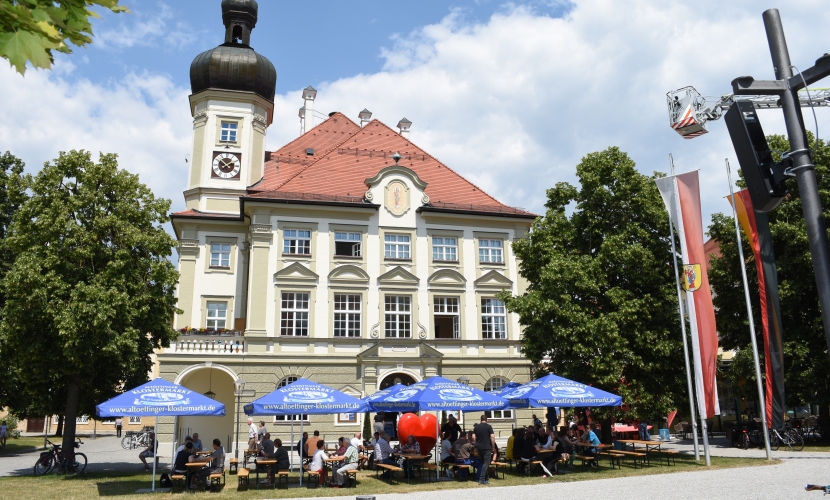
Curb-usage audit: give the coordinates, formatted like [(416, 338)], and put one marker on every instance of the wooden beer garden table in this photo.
[(267, 462), (414, 460), (192, 468)]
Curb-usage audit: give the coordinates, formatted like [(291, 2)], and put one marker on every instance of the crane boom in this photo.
[(689, 112)]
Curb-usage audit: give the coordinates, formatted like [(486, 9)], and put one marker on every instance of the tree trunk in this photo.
[(59, 432), (72, 393)]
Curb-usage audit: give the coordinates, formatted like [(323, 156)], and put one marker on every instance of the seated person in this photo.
[(566, 443), (342, 445), (301, 449), (463, 450), (553, 458), (318, 461), (267, 451), (182, 458), (350, 462), (281, 456), (187, 439), (529, 448), (217, 463), (590, 441), (411, 447), (447, 457), (508, 452), (149, 452), (383, 453), (197, 443), (518, 447)]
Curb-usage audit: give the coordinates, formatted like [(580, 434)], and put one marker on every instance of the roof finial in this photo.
[(396, 157)]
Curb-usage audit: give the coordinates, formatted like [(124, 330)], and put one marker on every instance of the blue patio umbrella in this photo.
[(436, 394), (304, 397), (552, 390), (157, 398)]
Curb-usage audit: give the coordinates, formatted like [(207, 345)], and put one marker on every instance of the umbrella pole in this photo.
[(301, 450), (292, 441), (438, 447), (155, 449)]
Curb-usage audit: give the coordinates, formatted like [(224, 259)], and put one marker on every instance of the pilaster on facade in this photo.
[(261, 240)]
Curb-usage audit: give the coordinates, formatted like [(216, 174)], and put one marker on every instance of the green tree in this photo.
[(31, 29), (806, 372), (90, 293), (601, 303)]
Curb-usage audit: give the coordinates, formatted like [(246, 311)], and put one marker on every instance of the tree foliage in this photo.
[(601, 302), (90, 292), (31, 29), (806, 372)]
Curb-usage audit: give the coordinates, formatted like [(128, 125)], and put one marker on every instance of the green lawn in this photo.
[(21, 445), (124, 485)]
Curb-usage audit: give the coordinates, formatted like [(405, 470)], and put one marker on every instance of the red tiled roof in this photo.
[(346, 155), (291, 196), (286, 162)]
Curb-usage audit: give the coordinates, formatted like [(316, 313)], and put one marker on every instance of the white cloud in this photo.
[(143, 30), (512, 103)]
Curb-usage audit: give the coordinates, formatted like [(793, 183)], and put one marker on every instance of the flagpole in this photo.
[(751, 319), (683, 328)]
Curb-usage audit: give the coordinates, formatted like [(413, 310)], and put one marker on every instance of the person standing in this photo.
[(301, 449), (311, 444), (118, 424), (260, 434), (486, 445), (252, 435), (378, 425), (452, 428), (4, 431)]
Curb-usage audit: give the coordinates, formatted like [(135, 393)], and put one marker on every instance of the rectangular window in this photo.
[(447, 319), (220, 255), (228, 133), (490, 251), (398, 323), (347, 315), (217, 315), (135, 420), (493, 319), (294, 314), (444, 249), (282, 419), (347, 244), (396, 246), (296, 241)]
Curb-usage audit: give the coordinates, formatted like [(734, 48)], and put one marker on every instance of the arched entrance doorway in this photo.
[(390, 419), (219, 382), (396, 378)]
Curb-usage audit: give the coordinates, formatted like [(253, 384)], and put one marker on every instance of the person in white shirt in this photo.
[(317, 464), (383, 453), (252, 435), (187, 439), (357, 440)]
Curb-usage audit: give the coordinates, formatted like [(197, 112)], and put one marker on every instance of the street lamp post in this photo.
[(239, 391)]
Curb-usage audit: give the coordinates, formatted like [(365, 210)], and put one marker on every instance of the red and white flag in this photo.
[(681, 193)]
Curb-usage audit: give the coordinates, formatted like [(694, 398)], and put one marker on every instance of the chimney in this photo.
[(404, 125), (364, 116), (309, 94), (301, 114)]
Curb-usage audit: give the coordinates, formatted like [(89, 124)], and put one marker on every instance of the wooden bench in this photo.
[(431, 469), (233, 465), (498, 466), (242, 478), (351, 479), (670, 455), (469, 468), (215, 479), (282, 476), (587, 459), (312, 478), (529, 465), (386, 467), (178, 478), (633, 455), (613, 458)]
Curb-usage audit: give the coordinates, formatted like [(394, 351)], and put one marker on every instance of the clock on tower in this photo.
[(226, 165)]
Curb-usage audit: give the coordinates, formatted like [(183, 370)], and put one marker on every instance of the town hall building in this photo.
[(349, 256)]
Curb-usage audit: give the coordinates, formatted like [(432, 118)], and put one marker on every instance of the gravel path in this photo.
[(784, 480)]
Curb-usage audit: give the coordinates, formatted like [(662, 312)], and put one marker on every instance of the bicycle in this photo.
[(135, 439), (49, 459), (791, 437)]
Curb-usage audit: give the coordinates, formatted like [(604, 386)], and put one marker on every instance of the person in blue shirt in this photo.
[(590, 441)]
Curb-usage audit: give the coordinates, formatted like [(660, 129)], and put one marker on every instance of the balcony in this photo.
[(206, 342)]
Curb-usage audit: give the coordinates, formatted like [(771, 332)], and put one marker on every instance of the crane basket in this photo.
[(684, 107)]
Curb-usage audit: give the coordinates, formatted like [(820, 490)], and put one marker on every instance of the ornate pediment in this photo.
[(296, 273), (493, 280), (447, 278), (398, 277), (349, 274)]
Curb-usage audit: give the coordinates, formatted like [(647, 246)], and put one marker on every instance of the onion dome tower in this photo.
[(232, 104)]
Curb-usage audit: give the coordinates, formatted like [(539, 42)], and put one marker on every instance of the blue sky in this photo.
[(509, 94)]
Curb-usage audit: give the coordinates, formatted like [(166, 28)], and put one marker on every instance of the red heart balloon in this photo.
[(424, 428)]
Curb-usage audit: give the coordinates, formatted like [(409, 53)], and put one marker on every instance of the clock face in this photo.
[(226, 165)]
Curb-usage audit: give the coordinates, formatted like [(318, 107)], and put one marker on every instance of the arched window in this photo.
[(493, 385), (288, 418)]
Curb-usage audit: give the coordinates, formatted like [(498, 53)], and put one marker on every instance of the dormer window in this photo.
[(228, 132)]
